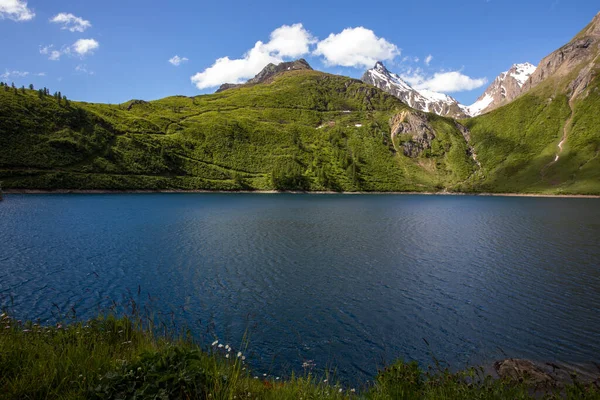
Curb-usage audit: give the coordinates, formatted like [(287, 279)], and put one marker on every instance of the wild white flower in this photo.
[(215, 343), (226, 355), (324, 380), (243, 358), (353, 390), (277, 378), (227, 347), (341, 390), (221, 345), (239, 354)]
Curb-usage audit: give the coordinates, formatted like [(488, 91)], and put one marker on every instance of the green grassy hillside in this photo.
[(303, 130), (558, 115), (516, 144)]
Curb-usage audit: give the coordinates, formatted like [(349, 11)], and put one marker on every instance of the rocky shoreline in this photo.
[(547, 375)]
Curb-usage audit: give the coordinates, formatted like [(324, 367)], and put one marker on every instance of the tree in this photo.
[(31, 86), (23, 89), (13, 85), (41, 93)]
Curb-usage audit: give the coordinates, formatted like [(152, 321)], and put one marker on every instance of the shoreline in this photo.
[(477, 194)]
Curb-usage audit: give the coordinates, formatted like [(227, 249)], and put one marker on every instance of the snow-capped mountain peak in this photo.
[(521, 72), (424, 100), (505, 88)]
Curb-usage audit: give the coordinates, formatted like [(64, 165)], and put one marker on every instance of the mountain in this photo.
[(294, 129), (269, 72), (505, 88), (547, 139), (424, 100)]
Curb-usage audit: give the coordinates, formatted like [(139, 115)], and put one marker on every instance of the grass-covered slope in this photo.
[(518, 143), (110, 358), (302, 130), (558, 114)]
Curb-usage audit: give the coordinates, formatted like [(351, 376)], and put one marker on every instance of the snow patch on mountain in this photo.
[(424, 100), (522, 72), (505, 88)]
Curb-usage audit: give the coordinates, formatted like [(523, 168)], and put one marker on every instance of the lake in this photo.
[(349, 282)]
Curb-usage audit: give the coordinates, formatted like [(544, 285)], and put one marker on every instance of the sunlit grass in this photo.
[(127, 358)]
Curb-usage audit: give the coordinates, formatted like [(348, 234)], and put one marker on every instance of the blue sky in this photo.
[(113, 51)]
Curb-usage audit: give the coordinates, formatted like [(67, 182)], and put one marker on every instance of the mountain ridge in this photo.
[(269, 71), (300, 129), (506, 87), (423, 100)]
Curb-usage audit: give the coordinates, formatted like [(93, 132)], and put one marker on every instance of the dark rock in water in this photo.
[(270, 71), (547, 374)]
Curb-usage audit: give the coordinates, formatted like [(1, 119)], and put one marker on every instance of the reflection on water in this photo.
[(347, 281)]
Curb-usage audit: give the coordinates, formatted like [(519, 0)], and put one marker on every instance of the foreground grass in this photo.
[(118, 358)]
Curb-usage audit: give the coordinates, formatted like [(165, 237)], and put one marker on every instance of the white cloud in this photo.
[(16, 10), (82, 47), (285, 41), (82, 69), (85, 46), (356, 47), (13, 74), (52, 54), (18, 74), (428, 59), (71, 22), (290, 41), (176, 61), (444, 82)]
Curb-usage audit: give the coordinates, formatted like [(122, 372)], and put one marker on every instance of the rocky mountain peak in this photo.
[(270, 71), (581, 53), (505, 88), (380, 67), (423, 100)]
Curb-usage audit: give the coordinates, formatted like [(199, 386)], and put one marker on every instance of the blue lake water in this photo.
[(347, 281)]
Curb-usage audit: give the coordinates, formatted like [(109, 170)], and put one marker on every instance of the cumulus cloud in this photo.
[(16, 10), (428, 59), (52, 53), (356, 47), (85, 46), (290, 41), (284, 42), (71, 22), (444, 82), (81, 48), (176, 61)]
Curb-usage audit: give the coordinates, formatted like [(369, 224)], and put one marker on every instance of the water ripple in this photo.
[(347, 281)]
